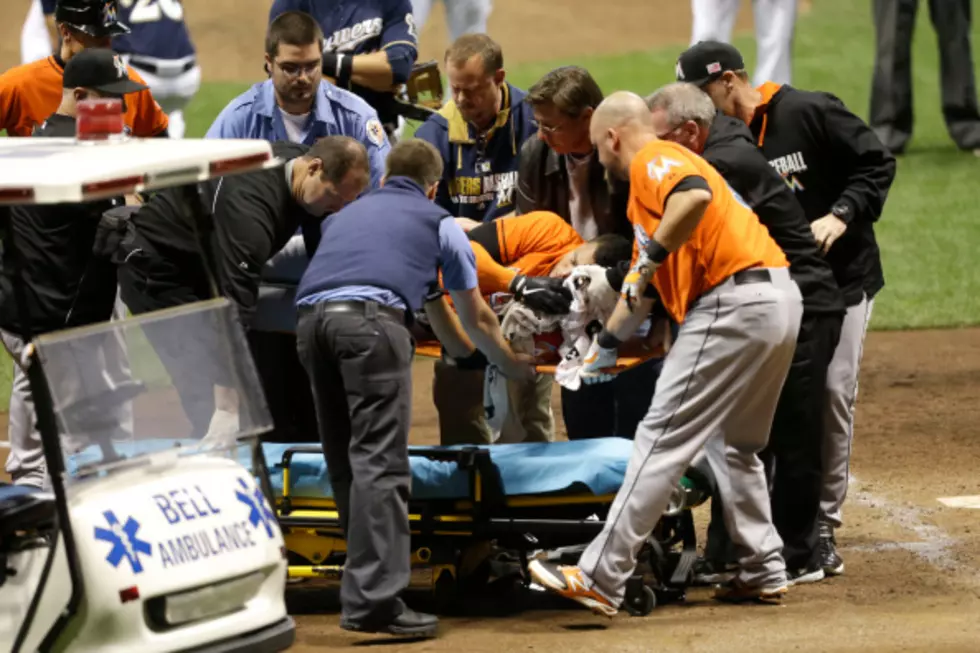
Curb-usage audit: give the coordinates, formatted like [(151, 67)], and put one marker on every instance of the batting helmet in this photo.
[(93, 17)]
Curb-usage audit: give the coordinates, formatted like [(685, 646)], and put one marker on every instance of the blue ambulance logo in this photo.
[(260, 515), (124, 540)]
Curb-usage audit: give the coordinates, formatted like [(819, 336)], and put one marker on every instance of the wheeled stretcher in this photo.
[(471, 504)]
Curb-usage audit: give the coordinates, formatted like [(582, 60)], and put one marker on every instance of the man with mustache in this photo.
[(295, 104)]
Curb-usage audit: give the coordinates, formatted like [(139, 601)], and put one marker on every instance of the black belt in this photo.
[(152, 68), (752, 275), (360, 308)]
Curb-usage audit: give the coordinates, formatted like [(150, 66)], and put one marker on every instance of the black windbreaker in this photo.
[(833, 162), (731, 149)]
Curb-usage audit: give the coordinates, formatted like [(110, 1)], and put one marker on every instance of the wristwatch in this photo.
[(843, 212)]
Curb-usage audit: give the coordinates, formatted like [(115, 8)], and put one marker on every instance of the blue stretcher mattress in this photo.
[(597, 466)]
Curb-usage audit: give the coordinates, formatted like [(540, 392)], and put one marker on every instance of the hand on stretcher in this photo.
[(633, 352)]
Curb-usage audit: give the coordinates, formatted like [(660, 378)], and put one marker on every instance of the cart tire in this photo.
[(642, 603)]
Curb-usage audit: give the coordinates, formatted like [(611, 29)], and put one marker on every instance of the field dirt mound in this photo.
[(229, 33)]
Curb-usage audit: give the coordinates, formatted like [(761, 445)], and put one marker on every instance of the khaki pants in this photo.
[(458, 397)]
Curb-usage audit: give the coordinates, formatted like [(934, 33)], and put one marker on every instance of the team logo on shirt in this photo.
[(789, 168), (348, 38), (659, 167), (480, 190)]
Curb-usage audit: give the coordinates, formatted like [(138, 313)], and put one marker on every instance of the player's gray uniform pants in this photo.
[(109, 367), (462, 16), (842, 388), (719, 386), (775, 22)]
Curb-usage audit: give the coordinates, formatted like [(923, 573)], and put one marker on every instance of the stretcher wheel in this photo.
[(641, 603)]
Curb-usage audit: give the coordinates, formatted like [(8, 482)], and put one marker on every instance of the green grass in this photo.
[(931, 225)]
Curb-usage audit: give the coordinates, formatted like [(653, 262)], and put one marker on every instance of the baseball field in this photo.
[(913, 563)]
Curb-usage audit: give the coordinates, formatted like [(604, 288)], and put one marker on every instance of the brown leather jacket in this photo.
[(543, 186)]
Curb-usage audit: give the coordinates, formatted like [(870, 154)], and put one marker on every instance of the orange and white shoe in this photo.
[(738, 592), (570, 582)]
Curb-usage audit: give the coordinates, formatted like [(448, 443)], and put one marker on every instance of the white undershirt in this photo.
[(579, 202), (295, 125)]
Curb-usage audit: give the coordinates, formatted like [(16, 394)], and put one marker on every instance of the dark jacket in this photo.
[(833, 162), (64, 284), (479, 173), (543, 186), (731, 149)]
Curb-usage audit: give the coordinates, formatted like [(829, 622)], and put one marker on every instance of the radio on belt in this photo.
[(100, 120)]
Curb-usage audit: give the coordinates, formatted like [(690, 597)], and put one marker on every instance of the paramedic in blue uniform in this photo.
[(479, 132), (376, 265), (296, 105), (370, 49), (159, 47)]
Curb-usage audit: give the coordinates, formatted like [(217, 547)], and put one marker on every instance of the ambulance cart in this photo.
[(151, 537)]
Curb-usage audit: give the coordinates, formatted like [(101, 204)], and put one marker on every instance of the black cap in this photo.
[(705, 62), (96, 18), (100, 70)]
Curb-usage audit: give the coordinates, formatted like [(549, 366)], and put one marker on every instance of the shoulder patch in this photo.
[(375, 132)]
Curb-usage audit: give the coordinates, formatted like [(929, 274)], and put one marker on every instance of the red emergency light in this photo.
[(100, 120)]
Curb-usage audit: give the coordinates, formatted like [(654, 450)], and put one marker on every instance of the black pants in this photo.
[(794, 457), (286, 387), (612, 409), (154, 278), (360, 367), (891, 92)]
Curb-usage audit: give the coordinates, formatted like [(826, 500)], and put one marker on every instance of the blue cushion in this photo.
[(597, 466)]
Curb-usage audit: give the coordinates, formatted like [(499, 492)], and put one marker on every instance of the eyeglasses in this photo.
[(547, 129), (291, 69)]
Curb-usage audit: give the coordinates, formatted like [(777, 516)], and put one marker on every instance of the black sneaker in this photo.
[(812, 573), (830, 560), (711, 572), (408, 623)]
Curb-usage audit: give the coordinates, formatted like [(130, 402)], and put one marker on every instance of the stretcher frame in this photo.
[(449, 535)]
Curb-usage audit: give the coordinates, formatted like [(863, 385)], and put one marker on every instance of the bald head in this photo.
[(620, 127), (621, 109)]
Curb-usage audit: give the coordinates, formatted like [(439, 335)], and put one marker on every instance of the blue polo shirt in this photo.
[(255, 114), (386, 247)]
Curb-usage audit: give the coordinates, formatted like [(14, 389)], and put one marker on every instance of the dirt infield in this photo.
[(913, 566)]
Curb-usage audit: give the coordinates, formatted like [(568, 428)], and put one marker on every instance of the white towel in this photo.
[(593, 301)]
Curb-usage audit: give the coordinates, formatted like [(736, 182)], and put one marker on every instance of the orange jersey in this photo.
[(29, 94), (529, 244), (729, 237)]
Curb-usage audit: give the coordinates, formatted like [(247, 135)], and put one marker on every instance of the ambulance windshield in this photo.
[(179, 381)]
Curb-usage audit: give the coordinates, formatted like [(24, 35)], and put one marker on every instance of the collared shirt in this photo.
[(353, 27), (456, 263), (255, 114)]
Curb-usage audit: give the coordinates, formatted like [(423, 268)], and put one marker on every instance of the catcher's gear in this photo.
[(597, 359), (543, 294)]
